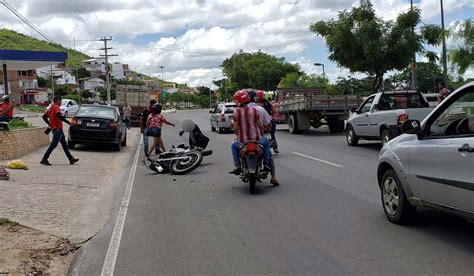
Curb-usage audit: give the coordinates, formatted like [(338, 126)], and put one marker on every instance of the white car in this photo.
[(68, 107), (432, 164)]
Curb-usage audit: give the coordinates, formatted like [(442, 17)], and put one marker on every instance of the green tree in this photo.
[(103, 93), (303, 80), (462, 55), (256, 70), (83, 73), (354, 86), (363, 42), (428, 75), (43, 82)]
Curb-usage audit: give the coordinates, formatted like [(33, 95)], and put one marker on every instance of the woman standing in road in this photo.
[(154, 124)]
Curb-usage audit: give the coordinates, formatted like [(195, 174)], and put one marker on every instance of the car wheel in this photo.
[(66, 114), (351, 137), (394, 201), (118, 147), (71, 145), (124, 142), (213, 128), (385, 136), (220, 130)]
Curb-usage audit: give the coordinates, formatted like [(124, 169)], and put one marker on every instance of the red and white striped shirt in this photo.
[(247, 119)]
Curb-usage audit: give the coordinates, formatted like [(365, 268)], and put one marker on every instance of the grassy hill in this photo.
[(11, 40)]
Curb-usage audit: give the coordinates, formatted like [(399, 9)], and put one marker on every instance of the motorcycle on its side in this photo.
[(252, 170), (179, 160)]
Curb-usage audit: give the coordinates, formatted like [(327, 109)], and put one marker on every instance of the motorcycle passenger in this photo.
[(248, 127), (268, 107), (196, 137), (267, 124)]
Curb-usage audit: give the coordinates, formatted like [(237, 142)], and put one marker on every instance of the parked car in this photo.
[(97, 124), (221, 117), (432, 164), (381, 115), (68, 107), (432, 99)]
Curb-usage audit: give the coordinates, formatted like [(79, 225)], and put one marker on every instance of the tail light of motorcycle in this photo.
[(222, 118), (251, 148), (402, 118)]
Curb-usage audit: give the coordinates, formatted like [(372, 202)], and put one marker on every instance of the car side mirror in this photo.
[(354, 110), (412, 127)]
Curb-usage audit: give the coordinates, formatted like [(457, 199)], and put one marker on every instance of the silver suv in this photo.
[(432, 164), (221, 117)]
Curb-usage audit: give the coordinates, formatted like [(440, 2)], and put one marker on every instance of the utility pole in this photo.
[(445, 62), (107, 69), (78, 90), (414, 84), (162, 76), (52, 81)]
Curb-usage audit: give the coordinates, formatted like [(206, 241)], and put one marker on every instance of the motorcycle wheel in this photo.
[(252, 182), (185, 166)]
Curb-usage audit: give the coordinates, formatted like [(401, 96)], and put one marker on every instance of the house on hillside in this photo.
[(61, 75), (91, 84), (96, 66), (120, 71)]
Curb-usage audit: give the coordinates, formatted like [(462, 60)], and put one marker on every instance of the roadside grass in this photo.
[(32, 108), (7, 222), (18, 124)]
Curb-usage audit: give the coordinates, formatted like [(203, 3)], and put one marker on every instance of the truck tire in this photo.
[(335, 125), (293, 124)]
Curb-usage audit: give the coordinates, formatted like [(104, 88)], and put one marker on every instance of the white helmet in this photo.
[(5, 97), (187, 125)]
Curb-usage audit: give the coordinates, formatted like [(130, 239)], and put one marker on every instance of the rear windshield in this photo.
[(402, 101), (96, 111), (229, 109)]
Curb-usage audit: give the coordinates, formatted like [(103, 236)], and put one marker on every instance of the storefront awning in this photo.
[(28, 60)]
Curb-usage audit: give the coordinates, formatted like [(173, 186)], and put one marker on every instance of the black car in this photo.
[(97, 124)]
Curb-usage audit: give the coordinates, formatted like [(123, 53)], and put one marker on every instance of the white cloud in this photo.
[(191, 38)]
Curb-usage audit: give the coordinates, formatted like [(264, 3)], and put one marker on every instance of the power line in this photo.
[(25, 20)]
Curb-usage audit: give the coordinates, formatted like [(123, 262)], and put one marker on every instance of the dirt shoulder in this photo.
[(29, 251)]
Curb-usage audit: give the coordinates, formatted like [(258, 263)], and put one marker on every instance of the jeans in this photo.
[(272, 133), (4, 119), (146, 142), (58, 137), (266, 151), (127, 122)]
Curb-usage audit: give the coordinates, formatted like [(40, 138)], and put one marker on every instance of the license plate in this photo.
[(93, 124)]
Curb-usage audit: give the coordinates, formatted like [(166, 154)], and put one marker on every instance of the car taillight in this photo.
[(113, 125), (74, 122), (222, 118), (402, 118)]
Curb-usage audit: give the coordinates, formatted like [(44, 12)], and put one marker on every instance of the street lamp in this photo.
[(321, 64)]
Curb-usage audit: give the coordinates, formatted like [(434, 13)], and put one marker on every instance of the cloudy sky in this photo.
[(191, 38)]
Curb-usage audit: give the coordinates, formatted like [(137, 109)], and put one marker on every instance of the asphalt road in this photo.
[(325, 218)]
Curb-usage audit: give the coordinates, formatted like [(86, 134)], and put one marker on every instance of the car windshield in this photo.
[(401, 100), (96, 111), (229, 109), (64, 102)]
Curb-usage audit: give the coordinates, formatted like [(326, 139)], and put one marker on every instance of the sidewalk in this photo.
[(67, 201)]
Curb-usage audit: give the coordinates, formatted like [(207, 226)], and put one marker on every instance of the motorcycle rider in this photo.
[(268, 107), (196, 137), (267, 124), (248, 127)]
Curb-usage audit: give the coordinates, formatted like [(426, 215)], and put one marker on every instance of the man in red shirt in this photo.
[(6, 112), (55, 120), (248, 127)]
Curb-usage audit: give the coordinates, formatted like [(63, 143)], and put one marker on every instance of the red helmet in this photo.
[(260, 95), (241, 97)]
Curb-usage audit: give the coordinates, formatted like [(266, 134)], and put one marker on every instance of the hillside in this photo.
[(11, 40)]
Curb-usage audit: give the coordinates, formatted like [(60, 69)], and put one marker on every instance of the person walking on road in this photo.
[(443, 92), (6, 112), (127, 113), (55, 119), (143, 128), (154, 124)]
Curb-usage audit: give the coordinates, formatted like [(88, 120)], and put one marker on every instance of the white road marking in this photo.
[(114, 245), (319, 160)]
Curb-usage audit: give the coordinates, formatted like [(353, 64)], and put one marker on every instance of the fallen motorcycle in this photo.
[(179, 160)]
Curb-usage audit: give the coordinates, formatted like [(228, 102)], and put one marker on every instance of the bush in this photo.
[(17, 123)]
